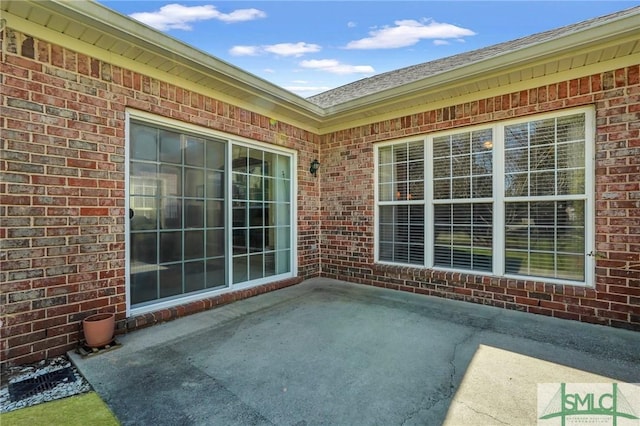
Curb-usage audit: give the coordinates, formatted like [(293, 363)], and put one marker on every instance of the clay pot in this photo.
[(98, 329)]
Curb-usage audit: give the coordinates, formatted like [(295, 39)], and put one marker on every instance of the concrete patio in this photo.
[(330, 352)]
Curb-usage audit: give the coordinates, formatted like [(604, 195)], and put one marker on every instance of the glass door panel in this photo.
[(194, 226)]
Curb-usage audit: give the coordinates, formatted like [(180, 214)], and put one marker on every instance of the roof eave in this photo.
[(571, 44), (256, 94), (93, 14)]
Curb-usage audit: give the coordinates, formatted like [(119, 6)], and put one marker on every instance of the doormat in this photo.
[(34, 385), (87, 351)]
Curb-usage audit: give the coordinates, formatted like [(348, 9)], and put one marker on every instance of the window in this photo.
[(462, 197), (197, 225), (401, 214), (508, 199), (261, 220), (545, 197)]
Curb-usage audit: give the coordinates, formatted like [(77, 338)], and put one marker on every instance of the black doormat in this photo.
[(44, 382)]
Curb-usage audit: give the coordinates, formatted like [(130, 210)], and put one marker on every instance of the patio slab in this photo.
[(331, 352)]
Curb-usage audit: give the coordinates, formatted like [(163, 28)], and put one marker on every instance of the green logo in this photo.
[(595, 403)]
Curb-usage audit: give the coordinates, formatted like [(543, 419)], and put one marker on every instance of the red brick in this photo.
[(595, 303), (619, 307), (89, 184), (16, 330), (49, 322), (566, 315), (632, 291), (63, 310), (553, 305), (23, 339)]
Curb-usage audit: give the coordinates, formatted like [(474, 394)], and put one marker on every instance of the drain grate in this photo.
[(44, 382)]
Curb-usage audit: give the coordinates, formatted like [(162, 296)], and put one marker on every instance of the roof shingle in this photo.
[(413, 73)]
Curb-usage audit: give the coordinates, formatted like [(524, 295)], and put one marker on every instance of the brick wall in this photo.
[(62, 256), (347, 232), (62, 193)]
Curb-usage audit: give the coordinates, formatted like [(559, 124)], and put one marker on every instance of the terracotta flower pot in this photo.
[(98, 329)]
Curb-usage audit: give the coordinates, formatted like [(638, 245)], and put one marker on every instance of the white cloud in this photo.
[(244, 51), (335, 67), (242, 15), (176, 16), (440, 42), (292, 49), (407, 33), (269, 70), (351, 24), (280, 49)]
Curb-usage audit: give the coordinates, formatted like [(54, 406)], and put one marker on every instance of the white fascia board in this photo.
[(559, 47), (97, 16)]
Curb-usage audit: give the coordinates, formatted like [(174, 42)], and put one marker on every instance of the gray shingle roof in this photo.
[(410, 74)]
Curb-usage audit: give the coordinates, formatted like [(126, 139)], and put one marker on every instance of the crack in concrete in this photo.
[(452, 362), (428, 401), (447, 390), (474, 332), (482, 413)]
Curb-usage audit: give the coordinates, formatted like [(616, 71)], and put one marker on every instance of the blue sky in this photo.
[(308, 47)]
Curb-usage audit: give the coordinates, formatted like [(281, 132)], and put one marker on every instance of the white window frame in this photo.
[(418, 202), (164, 122), (452, 200), (499, 198)]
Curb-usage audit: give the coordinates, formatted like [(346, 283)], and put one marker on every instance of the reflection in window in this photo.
[(463, 191), (526, 216), (401, 188), (261, 219), (546, 239), (545, 162), (545, 158), (401, 172), (464, 236), (402, 233), (178, 196)]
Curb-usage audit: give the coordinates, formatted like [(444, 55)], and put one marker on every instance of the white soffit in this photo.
[(603, 44)]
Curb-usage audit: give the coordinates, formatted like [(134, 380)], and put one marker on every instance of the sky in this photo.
[(308, 47)]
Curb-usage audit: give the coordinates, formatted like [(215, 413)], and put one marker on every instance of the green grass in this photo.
[(85, 409), (537, 253)]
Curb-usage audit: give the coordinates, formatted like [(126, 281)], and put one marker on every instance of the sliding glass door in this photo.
[(261, 213), (205, 213)]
